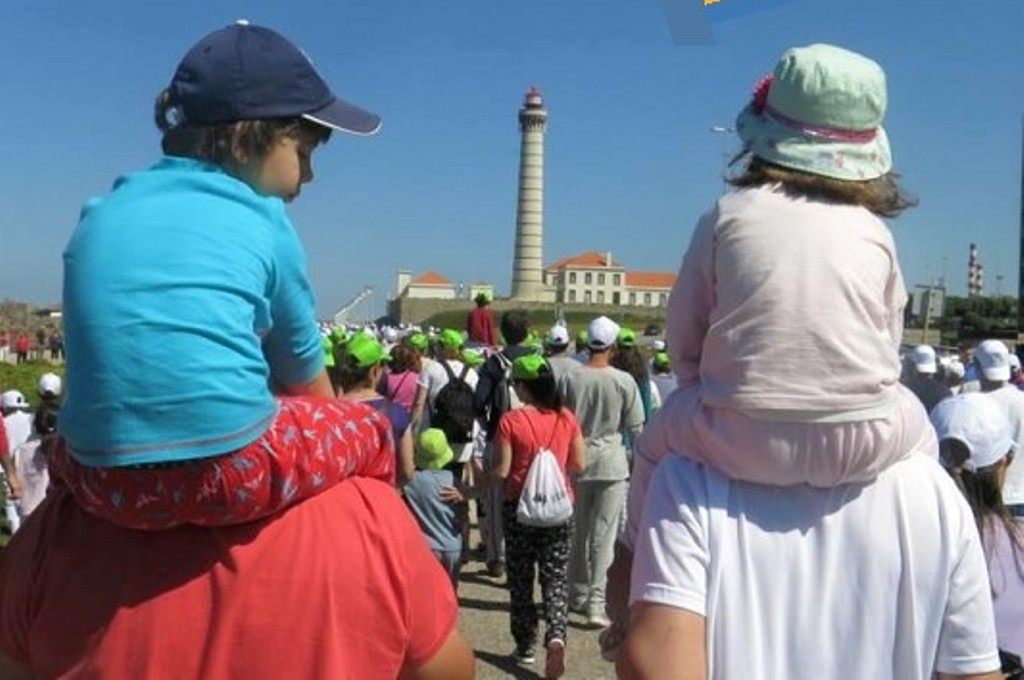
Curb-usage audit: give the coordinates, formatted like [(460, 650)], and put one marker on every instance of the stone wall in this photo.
[(412, 310)]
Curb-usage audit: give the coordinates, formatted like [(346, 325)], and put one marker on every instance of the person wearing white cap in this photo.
[(17, 418), (920, 377), (17, 423), (49, 386), (977, 446), (608, 406), (992, 358), (955, 371), (556, 349)]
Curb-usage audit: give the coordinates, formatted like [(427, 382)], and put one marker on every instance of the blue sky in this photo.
[(630, 160)]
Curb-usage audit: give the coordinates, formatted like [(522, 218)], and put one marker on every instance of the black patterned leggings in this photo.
[(547, 548)]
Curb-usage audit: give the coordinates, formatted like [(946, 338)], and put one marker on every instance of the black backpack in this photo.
[(453, 407)]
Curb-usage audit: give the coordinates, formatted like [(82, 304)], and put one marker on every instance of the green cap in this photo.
[(661, 360), (451, 338), (418, 341), (433, 452), (530, 367), (581, 338), (328, 346), (627, 337), (473, 358), (533, 342), (340, 335), (366, 351)]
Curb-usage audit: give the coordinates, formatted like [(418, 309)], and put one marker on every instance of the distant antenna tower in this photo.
[(975, 274)]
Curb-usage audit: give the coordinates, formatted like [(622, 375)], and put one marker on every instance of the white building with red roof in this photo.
[(588, 278), (595, 278)]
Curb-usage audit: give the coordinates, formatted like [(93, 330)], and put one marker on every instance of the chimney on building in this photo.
[(402, 281), (527, 263)]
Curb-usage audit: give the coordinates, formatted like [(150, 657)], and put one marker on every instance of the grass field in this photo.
[(25, 377)]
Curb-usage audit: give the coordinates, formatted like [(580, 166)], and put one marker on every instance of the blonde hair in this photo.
[(883, 196), (225, 144)]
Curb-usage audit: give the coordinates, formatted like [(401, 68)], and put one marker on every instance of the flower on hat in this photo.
[(760, 94)]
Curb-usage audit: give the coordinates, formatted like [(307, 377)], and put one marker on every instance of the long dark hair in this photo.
[(983, 491), (542, 392)]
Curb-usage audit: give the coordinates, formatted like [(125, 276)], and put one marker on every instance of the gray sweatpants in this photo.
[(599, 511)]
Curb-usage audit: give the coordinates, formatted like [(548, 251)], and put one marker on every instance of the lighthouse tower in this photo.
[(527, 264)]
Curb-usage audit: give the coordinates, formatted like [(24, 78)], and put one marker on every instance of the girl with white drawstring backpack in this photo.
[(537, 509)]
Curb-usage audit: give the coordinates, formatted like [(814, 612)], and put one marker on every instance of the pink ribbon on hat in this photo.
[(835, 134)]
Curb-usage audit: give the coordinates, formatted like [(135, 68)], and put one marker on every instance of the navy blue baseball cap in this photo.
[(246, 72)]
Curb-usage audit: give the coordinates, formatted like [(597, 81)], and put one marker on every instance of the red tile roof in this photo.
[(650, 279), (588, 259), (430, 279)]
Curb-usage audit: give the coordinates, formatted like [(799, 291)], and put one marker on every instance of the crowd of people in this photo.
[(766, 492)]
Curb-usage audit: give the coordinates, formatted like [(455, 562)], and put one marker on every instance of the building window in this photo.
[(617, 279), (572, 295), (600, 279), (647, 298), (600, 296), (632, 298), (662, 299), (587, 295), (588, 278), (572, 277)]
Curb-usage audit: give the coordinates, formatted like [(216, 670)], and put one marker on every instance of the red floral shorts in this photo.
[(312, 444)]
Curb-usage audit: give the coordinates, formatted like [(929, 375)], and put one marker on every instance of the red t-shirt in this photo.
[(341, 585), (529, 430), (480, 326)]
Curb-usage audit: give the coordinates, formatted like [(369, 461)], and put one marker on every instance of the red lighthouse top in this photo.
[(533, 99)]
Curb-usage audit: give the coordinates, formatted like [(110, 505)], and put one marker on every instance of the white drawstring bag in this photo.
[(545, 501)]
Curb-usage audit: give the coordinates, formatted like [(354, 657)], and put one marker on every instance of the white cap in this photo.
[(956, 367), (658, 345), (389, 334), (557, 336), (977, 420), (49, 384), (602, 333), (14, 399), (1014, 362), (993, 359), (923, 358)]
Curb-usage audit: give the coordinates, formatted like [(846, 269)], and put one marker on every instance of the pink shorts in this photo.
[(777, 453), (312, 444)]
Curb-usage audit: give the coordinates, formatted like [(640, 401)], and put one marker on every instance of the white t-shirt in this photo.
[(878, 580), (1011, 400), (19, 428), (433, 377), (33, 470)]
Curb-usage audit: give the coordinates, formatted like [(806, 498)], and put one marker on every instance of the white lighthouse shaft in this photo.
[(527, 265)]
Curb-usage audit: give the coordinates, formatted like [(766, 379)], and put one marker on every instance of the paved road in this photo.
[(483, 619)]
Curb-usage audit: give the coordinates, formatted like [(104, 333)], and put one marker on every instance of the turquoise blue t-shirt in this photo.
[(185, 294)]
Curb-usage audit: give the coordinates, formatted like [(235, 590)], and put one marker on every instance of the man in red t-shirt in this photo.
[(340, 585), (480, 323)]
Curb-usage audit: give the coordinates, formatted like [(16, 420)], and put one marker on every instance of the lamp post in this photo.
[(724, 131)]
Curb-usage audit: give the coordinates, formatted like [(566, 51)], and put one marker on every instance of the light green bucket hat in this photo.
[(820, 112)]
